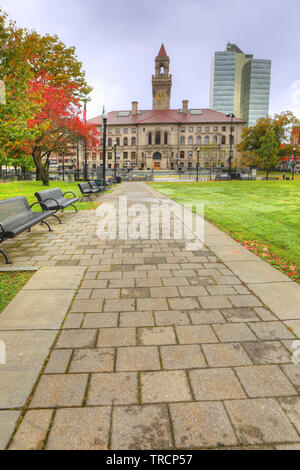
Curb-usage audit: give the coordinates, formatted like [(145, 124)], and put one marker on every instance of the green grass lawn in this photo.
[(263, 215), (28, 188), (10, 284)]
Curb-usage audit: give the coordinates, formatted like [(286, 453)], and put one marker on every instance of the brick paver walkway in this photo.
[(162, 348)]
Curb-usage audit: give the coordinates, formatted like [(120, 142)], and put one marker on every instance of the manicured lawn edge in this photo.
[(11, 282)]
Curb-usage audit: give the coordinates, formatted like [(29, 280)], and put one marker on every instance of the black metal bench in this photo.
[(55, 200), (86, 191), (16, 217), (95, 187)]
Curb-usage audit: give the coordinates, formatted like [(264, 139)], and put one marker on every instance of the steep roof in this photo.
[(162, 52), (167, 116)]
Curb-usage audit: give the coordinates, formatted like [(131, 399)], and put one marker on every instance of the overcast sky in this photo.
[(117, 41)]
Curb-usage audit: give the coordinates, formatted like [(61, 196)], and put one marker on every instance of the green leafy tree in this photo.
[(268, 152), (280, 124), (45, 83)]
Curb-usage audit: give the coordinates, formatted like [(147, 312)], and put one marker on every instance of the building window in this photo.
[(109, 142), (125, 130), (109, 155), (133, 130), (190, 140), (125, 155), (223, 139), (117, 130), (182, 140), (224, 128), (216, 128), (109, 130), (133, 141), (190, 154), (150, 138), (198, 139), (133, 155), (207, 139), (207, 129), (199, 129), (182, 129), (118, 141), (157, 138), (191, 129), (166, 138), (190, 164), (215, 139), (125, 142), (181, 153)]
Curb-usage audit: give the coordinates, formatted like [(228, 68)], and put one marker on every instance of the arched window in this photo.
[(198, 139), (157, 138), (109, 142), (162, 70), (125, 141), (190, 140), (182, 140), (118, 141), (207, 139), (150, 138), (166, 138), (133, 141), (215, 139), (223, 139)]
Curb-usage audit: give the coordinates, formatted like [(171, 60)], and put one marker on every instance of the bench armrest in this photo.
[(40, 203), (69, 192)]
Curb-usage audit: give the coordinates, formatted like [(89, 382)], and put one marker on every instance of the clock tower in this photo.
[(161, 81)]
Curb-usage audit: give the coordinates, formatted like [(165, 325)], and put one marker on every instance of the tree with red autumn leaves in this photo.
[(45, 86)]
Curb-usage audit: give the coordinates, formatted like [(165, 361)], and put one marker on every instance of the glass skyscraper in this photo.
[(240, 84)]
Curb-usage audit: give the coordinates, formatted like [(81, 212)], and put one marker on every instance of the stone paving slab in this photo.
[(36, 310), (25, 355), (283, 298), (253, 272), (56, 278), (8, 421)]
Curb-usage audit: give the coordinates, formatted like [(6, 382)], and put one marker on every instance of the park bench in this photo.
[(87, 191), (16, 216), (55, 200), (95, 187)]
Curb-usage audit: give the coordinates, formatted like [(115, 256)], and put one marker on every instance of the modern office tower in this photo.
[(240, 84)]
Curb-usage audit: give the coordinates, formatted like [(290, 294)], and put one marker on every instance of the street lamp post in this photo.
[(220, 142), (115, 154), (231, 115), (198, 156), (293, 163), (104, 119)]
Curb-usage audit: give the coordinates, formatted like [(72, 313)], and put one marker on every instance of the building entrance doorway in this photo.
[(157, 160)]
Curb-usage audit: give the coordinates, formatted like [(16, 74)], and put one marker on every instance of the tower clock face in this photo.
[(161, 95)]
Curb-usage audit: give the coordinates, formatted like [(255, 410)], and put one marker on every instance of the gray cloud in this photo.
[(117, 42)]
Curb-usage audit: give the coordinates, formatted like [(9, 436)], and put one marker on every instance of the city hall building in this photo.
[(164, 138)]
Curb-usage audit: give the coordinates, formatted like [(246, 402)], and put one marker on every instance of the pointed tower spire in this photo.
[(161, 81), (162, 52)]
